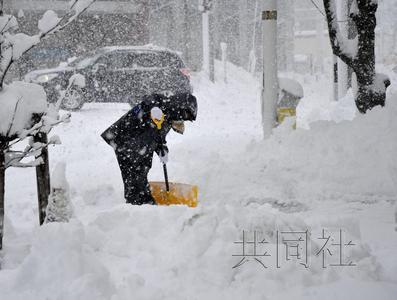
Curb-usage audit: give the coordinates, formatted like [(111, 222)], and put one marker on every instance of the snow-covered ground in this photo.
[(334, 176)]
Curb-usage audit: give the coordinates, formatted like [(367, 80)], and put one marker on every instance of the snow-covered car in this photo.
[(116, 74)]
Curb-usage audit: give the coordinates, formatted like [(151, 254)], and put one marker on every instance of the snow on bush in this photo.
[(48, 21), (21, 43), (19, 101), (59, 208)]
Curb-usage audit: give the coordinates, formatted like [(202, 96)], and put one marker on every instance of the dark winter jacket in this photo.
[(137, 124), (134, 137)]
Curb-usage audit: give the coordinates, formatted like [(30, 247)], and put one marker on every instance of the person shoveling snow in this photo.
[(142, 131)]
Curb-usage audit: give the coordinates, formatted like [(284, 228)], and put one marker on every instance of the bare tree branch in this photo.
[(69, 17), (13, 158), (13, 116)]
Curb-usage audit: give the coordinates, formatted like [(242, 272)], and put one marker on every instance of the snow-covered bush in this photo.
[(59, 208), (23, 106)]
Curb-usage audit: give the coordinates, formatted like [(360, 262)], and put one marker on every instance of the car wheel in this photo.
[(73, 100)]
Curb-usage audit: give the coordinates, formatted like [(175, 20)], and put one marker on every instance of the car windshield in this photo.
[(85, 60), (49, 54)]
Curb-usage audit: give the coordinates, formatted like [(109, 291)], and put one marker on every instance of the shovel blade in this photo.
[(180, 193)]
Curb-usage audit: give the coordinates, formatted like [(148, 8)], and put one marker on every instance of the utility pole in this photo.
[(351, 35), (342, 67), (270, 77), (208, 49)]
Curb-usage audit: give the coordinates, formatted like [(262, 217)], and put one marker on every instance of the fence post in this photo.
[(224, 61), (42, 177)]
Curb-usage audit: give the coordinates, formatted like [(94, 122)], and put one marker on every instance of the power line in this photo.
[(317, 7), (319, 10)]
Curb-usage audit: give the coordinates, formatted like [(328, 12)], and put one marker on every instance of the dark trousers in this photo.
[(134, 168)]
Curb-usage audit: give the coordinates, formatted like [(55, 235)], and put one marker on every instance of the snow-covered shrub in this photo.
[(19, 101), (23, 106)]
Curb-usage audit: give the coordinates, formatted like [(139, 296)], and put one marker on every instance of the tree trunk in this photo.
[(342, 66), (351, 34), (370, 92), (364, 65), (43, 178)]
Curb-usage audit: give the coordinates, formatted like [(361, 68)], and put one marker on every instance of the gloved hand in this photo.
[(163, 154)]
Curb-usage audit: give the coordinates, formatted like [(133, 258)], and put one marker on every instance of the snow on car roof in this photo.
[(148, 47)]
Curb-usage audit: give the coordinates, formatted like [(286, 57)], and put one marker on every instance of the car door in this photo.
[(143, 73), (106, 77), (123, 76), (129, 78)]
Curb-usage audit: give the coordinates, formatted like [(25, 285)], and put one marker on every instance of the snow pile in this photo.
[(333, 176), (176, 253), (59, 208), (19, 101), (317, 105), (351, 157), (59, 266)]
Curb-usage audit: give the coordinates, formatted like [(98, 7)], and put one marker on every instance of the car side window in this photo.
[(129, 60), (103, 60), (151, 60), (112, 60)]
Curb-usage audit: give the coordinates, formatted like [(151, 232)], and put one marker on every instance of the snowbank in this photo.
[(336, 159), (333, 176), (58, 268)]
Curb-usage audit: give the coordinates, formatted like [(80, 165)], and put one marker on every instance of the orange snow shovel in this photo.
[(178, 193), (168, 193)]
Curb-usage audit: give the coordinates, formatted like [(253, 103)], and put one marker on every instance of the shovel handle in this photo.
[(167, 185)]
